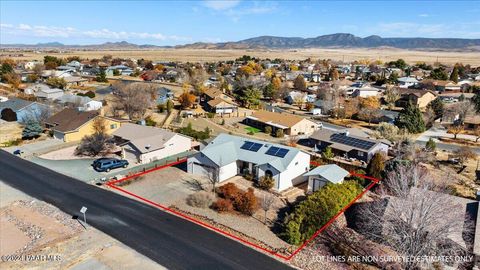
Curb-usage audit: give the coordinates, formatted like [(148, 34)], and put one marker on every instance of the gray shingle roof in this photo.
[(15, 104), (144, 138), (225, 149), (331, 172)]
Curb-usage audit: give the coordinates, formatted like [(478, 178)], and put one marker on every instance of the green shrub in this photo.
[(279, 133), (312, 213), (210, 115), (150, 122)]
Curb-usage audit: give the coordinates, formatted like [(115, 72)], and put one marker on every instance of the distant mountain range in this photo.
[(340, 40)]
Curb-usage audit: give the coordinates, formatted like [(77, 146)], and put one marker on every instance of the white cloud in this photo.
[(221, 5), (440, 30), (70, 32), (424, 15)]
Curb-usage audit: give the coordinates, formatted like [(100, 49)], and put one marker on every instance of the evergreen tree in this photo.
[(376, 165), (476, 101), (32, 129), (102, 76), (411, 119), (454, 75), (430, 145), (169, 106), (437, 106), (312, 213)]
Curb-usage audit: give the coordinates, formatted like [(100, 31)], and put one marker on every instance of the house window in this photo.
[(360, 153), (113, 126), (296, 163)]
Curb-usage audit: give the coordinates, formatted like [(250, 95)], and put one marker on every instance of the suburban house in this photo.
[(347, 145), (365, 92), (221, 106), (145, 144), (163, 95), (421, 98), (441, 86), (387, 116), (43, 91), (289, 123), (74, 81), (295, 96), (122, 69), (227, 156), (321, 175), (214, 100), (472, 122), (23, 110), (406, 82), (82, 103), (72, 125)]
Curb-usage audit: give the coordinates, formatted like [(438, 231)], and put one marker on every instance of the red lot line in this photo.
[(272, 252)]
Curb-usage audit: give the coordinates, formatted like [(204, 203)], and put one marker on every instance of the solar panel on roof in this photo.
[(246, 145), (282, 152), (251, 146), (277, 152), (355, 142), (272, 151)]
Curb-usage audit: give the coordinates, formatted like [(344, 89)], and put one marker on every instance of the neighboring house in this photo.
[(441, 86), (72, 125), (221, 106), (289, 123), (57, 73), (420, 98), (124, 70), (347, 145), (386, 116), (163, 95), (294, 96), (23, 109), (406, 82), (321, 175), (227, 156), (82, 103), (472, 122), (365, 92), (74, 81), (44, 91), (145, 144), (214, 100)]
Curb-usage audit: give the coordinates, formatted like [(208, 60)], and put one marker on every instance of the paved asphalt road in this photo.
[(170, 241)]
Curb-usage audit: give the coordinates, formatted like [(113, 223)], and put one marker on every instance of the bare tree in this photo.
[(134, 99), (465, 153), (417, 225), (266, 204)]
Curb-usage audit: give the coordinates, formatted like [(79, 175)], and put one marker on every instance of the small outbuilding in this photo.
[(321, 175)]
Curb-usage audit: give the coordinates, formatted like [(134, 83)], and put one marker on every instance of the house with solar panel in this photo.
[(347, 145), (227, 156)]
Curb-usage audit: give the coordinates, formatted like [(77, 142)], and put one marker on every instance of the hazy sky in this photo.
[(180, 22)]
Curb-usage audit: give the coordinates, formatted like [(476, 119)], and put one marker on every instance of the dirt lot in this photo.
[(10, 131), (171, 186), (383, 54), (34, 228)]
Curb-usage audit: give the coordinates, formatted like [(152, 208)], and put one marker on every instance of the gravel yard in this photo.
[(171, 186), (35, 228)]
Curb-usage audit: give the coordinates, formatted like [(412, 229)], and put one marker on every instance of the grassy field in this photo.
[(204, 55), (252, 130)]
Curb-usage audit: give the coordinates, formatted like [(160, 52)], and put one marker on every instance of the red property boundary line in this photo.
[(112, 184)]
